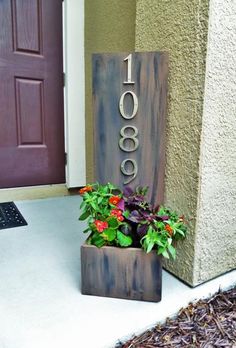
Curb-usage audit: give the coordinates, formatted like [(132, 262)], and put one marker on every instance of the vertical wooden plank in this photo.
[(149, 74)]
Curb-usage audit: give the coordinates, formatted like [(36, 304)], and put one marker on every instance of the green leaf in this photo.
[(126, 214), (93, 205), (84, 216), (113, 223), (99, 243), (111, 186), (124, 240), (86, 196), (172, 251), (162, 251), (180, 232), (82, 204), (87, 230), (109, 234), (158, 242), (89, 241), (97, 240), (160, 225), (165, 254), (150, 245), (100, 199)]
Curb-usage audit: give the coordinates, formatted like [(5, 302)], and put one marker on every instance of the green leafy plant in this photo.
[(126, 219)]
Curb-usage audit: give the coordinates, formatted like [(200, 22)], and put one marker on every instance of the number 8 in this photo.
[(131, 137)]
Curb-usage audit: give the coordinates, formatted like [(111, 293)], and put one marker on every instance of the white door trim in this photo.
[(74, 93)]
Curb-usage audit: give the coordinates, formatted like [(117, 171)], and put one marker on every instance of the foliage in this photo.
[(125, 219)]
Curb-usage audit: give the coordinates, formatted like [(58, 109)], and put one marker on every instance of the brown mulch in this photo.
[(207, 323)]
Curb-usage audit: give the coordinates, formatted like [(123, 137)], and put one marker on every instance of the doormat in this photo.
[(10, 216)]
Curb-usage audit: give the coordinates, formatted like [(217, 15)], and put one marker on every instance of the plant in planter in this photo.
[(121, 224)]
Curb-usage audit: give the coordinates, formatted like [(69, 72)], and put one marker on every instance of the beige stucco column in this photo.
[(215, 234), (201, 131)]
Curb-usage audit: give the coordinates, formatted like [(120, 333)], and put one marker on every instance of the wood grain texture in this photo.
[(127, 273), (149, 72)]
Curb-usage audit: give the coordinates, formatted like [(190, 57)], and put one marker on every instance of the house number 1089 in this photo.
[(129, 133)]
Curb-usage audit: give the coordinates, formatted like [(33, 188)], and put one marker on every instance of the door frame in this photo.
[(74, 92)]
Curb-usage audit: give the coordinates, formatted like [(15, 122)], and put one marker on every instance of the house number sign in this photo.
[(129, 108), (133, 173)]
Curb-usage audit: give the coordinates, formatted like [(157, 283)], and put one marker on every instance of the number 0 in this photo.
[(135, 105)]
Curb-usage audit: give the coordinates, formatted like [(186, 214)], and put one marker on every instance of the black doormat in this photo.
[(10, 216)]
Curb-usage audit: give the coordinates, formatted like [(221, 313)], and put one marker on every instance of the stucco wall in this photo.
[(216, 222), (109, 27), (179, 27)]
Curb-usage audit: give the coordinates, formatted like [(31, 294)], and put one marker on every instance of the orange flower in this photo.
[(100, 225), (85, 189), (118, 214), (169, 229), (114, 200), (120, 218)]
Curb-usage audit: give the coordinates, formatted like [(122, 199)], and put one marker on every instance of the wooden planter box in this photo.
[(127, 273)]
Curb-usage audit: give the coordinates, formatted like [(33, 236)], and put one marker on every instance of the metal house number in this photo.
[(129, 166)]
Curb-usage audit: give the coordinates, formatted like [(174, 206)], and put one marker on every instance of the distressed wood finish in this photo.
[(149, 72), (127, 273)]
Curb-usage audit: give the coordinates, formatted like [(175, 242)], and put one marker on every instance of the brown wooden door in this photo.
[(31, 93)]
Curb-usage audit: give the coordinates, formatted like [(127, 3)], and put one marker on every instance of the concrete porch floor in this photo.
[(40, 301)]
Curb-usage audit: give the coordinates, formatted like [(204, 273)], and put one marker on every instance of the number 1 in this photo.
[(129, 64)]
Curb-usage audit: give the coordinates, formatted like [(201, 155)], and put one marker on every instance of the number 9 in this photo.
[(133, 172)]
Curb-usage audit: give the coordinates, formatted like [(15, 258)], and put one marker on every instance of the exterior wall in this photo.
[(181, 29), (109, 27), (215, 250)]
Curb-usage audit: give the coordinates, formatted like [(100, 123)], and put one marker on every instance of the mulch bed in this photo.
[(207, 323)]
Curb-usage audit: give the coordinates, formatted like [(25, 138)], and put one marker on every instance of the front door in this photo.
[(31, 93)]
